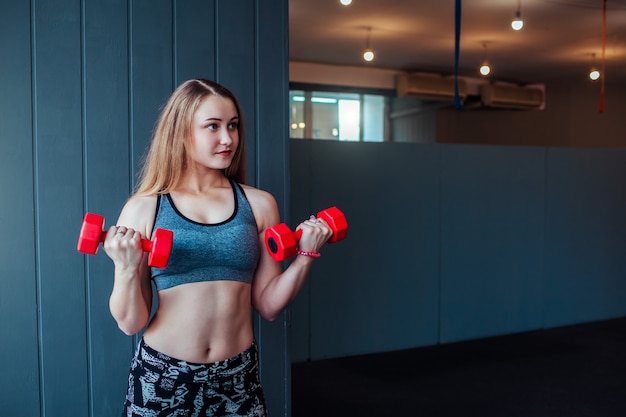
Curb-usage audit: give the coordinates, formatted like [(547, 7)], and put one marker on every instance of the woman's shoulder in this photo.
[(139, 212), (141, 202), (259, 196), (263, 205)]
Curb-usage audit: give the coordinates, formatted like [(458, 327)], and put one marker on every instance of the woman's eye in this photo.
[(212, 126), (233, 126)]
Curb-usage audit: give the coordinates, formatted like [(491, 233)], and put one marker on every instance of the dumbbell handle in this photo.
[(146, 245), (298, 234)]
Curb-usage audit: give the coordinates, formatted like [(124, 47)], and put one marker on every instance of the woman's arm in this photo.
[(272, 288), (131, 299)]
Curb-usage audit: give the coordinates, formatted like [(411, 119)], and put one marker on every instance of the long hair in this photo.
[(169, 156)]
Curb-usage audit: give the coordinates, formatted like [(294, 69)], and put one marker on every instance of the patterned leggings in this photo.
[(160, 386)]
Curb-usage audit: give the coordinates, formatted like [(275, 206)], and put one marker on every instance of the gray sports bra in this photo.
[(229, 250)]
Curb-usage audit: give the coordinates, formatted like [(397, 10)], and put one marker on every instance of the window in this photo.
[(344, 116)]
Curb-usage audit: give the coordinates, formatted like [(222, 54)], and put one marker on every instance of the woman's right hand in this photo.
[(123, 245)]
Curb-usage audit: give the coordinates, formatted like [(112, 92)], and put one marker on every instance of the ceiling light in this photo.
[(485, 68), (368, 53), (518, 22), (594, 73), (345, 2)]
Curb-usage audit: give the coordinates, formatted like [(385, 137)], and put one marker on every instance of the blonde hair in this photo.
[(168, 157)]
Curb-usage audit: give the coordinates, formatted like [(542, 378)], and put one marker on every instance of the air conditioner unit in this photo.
[(512, 97), (429, 86)]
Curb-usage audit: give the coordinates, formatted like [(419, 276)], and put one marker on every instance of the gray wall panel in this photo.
[(58, 189), (151, 69), (492, 233), (271, 115), (585, 263), (456, 242), (194, 40), (107, 171), (236, 30), (300, 311), (19, 358), (378, 289)]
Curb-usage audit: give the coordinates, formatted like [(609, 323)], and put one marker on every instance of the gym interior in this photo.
[(507, 229)]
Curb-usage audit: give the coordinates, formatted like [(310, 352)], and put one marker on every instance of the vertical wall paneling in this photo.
[(151, 69), (194, 44), (236, 61), (271, 173), (108, 175), (492, 210), (19, 361), (585, 245), (58, 194), (529, 238), (299, 328), (79, 97)]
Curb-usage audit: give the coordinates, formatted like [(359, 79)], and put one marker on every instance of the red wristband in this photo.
[(311, 254)]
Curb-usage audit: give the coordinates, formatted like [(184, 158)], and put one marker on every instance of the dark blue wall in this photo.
[(455, 242), (82, 83)]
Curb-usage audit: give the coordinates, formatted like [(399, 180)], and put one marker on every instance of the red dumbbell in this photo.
[(91, 235), (282, 243)]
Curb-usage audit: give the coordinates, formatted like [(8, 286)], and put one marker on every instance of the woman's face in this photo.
[(215, 133)]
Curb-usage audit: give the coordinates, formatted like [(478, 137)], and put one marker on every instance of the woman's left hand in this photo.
[(315, 232)]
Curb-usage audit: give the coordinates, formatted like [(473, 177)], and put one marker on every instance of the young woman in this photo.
[(198, 356)]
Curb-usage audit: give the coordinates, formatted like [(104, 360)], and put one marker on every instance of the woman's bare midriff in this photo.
[(202, 322)]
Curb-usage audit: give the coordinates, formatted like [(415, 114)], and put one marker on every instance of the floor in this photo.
[(574, 371)]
